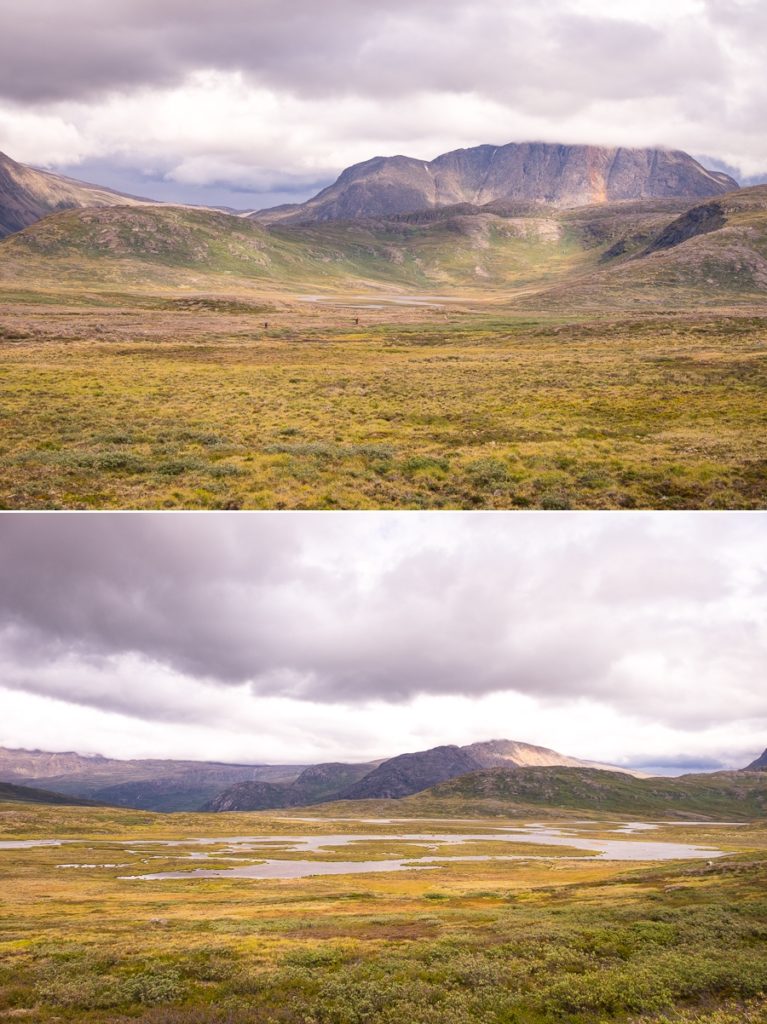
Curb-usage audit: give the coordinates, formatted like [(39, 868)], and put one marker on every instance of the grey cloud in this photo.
[(522, 52), (299, 607)]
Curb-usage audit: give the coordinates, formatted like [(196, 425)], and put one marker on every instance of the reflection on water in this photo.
[(271, 867), (27, 844), (268, 856)]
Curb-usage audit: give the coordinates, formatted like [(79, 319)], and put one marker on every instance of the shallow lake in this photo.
[(594, 847), (269, 856)]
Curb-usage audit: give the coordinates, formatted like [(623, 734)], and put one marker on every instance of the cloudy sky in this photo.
[(635, 638), (253, 102)]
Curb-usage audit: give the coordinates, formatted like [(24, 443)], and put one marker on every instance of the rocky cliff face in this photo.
[(27, 195), (560, 176)]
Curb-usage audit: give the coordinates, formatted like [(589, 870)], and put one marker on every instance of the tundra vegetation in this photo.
[(608, 357), (566, 938)]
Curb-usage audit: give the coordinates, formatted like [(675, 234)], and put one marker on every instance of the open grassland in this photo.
[(149, 401), (522, 942), (606, 357)]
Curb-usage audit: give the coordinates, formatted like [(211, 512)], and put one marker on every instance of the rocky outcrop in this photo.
[(546, 173), (699, 221)]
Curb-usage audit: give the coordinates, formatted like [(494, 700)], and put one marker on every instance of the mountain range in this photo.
[(162, 785), (658, 231), (168, 785), (392, 778), (646, 254), (541, 173), (555, 175)]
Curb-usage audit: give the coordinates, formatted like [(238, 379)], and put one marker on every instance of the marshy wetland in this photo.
[(489, 920)]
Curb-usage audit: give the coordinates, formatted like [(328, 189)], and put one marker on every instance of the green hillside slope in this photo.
[(709, 254), (172, 246), (723, 796), (31, 795), (656, 253)]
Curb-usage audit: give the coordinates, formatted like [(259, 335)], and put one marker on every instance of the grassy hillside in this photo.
[(709, 254), (170, 246), (722, 796), (636, 254), (32, 795)]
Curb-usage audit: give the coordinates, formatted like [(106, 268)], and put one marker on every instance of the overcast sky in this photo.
[(252, 102), (638, 639)]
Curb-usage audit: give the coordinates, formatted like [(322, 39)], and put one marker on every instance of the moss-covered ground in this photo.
[(130, 401)]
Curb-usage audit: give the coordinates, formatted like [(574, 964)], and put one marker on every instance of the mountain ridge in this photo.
[(148, 783), (13, 793), (546, 792), (28, 194), (401, 775), (563, 176), (658, 253)]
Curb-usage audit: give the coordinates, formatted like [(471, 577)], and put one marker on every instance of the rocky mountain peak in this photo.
[(552, 174)]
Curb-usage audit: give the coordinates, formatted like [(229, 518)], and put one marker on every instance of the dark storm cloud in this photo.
[(624, 612), (536, 56)]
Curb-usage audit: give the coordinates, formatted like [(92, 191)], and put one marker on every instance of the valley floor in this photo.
[(149, 402), (531, 941)]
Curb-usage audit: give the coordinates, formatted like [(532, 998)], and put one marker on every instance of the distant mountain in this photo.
[(409, 773), (759, 765), (147, 784), (33, 795), (27, 194), (546, 173), (393, 778), (317, 783), (722, 796), (496, 753)]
